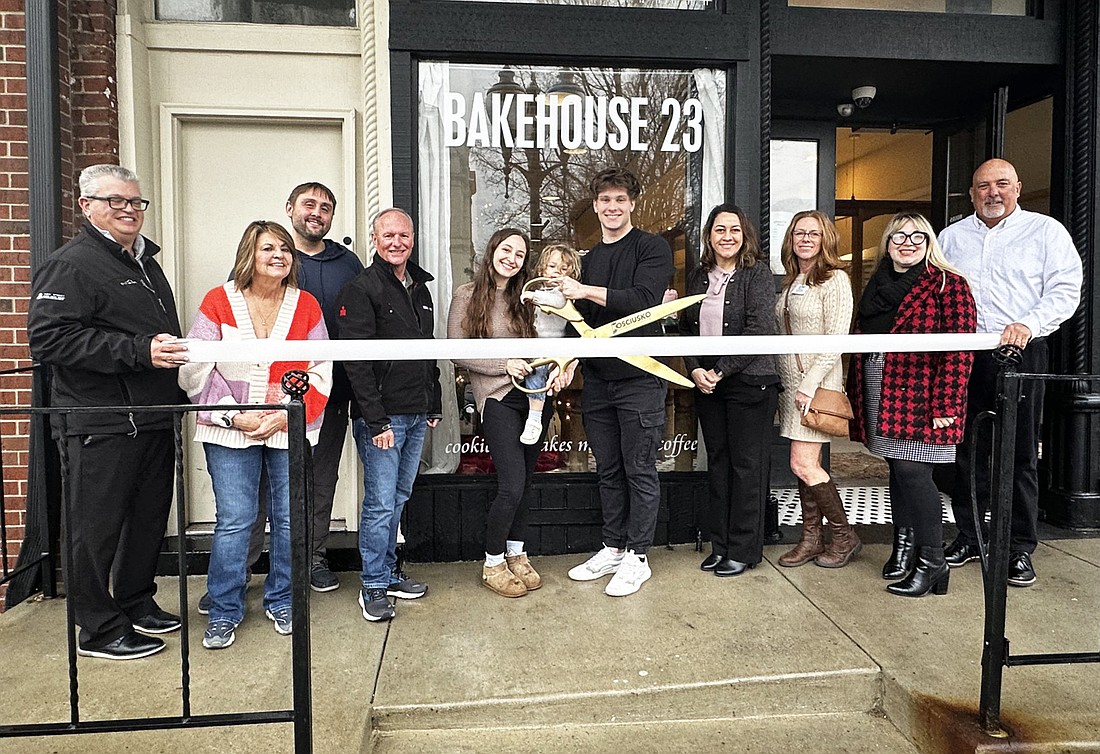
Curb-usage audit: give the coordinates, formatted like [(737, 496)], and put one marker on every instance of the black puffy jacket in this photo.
[(93, 315), (376, 305)]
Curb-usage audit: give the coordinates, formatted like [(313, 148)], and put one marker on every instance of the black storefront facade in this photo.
[(954, 74), (763, 73)]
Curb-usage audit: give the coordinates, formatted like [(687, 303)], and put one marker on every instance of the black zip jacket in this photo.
[(376, 305), (93, 315)]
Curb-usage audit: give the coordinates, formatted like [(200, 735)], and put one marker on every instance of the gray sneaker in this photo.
[(282, 618), (321, 579), (403, 587), (376, 605), (219, 634)]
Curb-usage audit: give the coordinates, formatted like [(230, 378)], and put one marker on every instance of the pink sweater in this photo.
[(223, 315)]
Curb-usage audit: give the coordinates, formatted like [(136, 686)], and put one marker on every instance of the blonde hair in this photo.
[(569, 256), (245, 265), (934, 257)]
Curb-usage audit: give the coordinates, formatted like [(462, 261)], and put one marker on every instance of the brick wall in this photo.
[(89, 135)]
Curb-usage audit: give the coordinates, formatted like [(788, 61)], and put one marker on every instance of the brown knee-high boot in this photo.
[(845, 545), (812, 542)]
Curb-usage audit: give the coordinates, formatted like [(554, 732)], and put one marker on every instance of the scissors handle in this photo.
[(560, 363)]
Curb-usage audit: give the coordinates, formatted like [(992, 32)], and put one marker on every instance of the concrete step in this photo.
[(842, 733), (687, 646)]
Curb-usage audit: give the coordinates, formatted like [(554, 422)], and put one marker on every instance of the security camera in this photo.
[(845, 109), (863, 95)]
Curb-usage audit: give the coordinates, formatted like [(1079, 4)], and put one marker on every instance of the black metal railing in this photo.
[(44, 561), (295, 384), (996, 553)]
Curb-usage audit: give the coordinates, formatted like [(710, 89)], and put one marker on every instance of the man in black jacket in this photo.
[(394, 402), (624, 407), (103, 317)]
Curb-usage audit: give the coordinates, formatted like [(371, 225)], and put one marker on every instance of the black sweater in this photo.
[(636, 270)]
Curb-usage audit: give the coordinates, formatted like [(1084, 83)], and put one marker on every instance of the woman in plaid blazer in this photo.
[(910, 407)]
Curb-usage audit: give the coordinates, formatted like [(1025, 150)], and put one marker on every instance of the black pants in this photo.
[(915, 501), (982, 396), (737, 422), (502, 423), (623, 420), (120, 491), (326, 472)]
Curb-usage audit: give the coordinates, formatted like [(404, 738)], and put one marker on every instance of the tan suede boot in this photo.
[(502, 581), (845, 545), (812, 542), (524, 571)]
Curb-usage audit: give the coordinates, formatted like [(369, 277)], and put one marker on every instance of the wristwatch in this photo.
[(225, 418)]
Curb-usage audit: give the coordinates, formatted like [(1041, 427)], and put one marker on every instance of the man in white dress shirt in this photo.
[(1026, 277)]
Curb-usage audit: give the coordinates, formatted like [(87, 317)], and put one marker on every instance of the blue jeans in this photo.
[(388, 477), (536, 381), (235, 473)]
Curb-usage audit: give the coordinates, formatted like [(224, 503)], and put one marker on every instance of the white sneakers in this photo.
[(632, 573), (532, 430), (630, 570)]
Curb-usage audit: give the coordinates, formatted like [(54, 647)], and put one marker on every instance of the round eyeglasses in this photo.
[(917, 238)]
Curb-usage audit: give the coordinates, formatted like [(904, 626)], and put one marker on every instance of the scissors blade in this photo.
[(644, 317), (656, 368)]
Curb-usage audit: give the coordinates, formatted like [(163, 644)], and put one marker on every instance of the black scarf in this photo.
[(878, 308)]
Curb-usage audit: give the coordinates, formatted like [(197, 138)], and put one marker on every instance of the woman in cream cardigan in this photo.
[(816, 300)]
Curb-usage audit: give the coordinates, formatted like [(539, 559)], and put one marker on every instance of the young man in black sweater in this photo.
[(624, 407)]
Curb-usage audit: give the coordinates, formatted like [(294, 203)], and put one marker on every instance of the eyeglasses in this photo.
[(120, 202), (917, 238), (813, 235)]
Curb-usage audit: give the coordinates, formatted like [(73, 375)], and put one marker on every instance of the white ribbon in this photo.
[(266, 351)]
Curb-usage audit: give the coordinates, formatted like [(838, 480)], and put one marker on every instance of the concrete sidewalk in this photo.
[(776, 660)]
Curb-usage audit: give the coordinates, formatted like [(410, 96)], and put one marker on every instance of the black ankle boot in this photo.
[(901, 559), (931, 574)]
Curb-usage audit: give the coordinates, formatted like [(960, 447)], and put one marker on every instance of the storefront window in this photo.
[(301, 12), (516, 147), (982, 7), (793, 189), (674, 4)]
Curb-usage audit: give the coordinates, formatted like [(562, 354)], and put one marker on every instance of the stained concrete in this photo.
[(773, 661)]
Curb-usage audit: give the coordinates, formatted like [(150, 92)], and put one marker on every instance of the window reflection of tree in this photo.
[(564, 205)]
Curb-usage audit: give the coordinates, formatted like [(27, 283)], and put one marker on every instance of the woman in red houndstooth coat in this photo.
[(910, 407)]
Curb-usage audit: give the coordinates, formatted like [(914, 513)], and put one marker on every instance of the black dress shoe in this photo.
[(1020, 570), (959, 553), (731, 567), (127, 647), (157, 622), (712, 560)]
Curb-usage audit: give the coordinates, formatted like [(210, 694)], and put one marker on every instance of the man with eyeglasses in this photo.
[(1026, 278), (102, 316)]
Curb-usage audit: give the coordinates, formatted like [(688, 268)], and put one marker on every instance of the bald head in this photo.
[(995, 191)]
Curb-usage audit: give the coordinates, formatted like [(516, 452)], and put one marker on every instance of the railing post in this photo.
[(295, 384), (995, 647)]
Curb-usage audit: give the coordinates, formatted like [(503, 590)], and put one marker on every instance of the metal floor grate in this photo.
[(864, 505)]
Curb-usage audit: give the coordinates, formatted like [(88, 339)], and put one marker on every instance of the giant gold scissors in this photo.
[(569, 313)]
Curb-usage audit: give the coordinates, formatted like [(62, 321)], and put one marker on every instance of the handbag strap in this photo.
[(787, 321)]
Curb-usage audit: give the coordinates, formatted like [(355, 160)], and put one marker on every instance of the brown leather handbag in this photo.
[(830, 410)]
